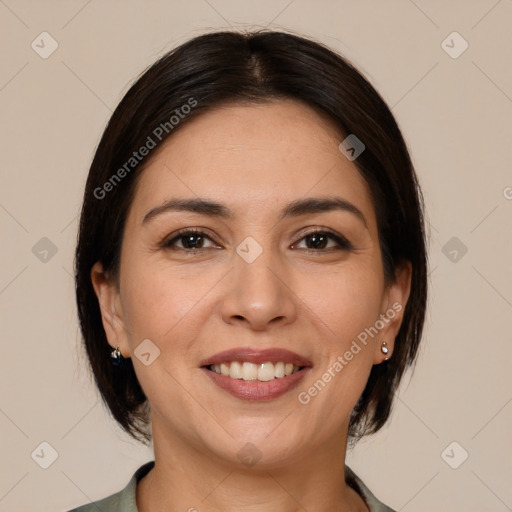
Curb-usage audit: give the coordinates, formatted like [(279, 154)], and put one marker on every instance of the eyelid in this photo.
[(172, 238), (341, 240)]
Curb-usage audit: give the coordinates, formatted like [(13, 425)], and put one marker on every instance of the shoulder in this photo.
[(122, 501), (109, 504), (358, 485)]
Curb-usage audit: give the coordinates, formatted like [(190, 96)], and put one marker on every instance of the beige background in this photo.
[(456, 115)]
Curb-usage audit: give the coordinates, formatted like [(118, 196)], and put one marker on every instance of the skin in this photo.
[(311, 299)]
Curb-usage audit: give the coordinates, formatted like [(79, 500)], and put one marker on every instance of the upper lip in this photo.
[(256, 356)]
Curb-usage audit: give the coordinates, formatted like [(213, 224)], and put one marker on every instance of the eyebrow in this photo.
[(296, 208)]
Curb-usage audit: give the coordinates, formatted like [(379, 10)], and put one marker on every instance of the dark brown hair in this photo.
[(231, 67)]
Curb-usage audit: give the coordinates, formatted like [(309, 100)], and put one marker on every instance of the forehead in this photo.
[(255, 155)]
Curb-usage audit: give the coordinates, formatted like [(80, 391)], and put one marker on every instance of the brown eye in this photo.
[(189, 240), (320, 240), (317, 241), (192, 241)]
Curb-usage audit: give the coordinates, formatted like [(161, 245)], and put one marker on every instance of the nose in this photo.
[(258, 295)]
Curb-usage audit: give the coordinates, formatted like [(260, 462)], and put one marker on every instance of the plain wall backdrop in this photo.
[(444, 69)]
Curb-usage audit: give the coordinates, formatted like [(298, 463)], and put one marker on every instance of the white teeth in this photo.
[(235, 370), (266, 372), (249, 371)]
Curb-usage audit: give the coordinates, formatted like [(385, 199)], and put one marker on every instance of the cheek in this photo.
[(348, 306), (164, 308), (347, 302), (158, 300), (344, 307)]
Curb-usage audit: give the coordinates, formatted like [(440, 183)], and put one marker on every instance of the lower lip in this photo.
[(256, 390)]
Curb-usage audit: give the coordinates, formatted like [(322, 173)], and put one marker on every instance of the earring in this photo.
[(385, 350), (116, 356)]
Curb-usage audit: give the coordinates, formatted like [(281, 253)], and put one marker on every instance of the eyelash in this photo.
[(342, 242)]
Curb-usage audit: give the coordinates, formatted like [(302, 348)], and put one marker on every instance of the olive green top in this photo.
[(124, 500)]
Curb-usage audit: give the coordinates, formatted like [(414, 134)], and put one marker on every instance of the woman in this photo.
[(250, 274)]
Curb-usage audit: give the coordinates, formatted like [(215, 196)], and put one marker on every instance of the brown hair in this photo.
[(208, 71)]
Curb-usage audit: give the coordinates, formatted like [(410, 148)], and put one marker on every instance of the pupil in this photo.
[(317, 241), (190, 241)]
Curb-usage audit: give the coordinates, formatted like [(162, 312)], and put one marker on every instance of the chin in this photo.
[(263, 446)]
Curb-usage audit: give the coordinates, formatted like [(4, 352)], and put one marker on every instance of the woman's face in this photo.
[(284, 256)]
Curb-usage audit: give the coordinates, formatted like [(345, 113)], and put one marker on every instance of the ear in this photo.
[(392, 312), (109, 300)]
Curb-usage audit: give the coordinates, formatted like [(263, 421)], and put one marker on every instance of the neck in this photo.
[(186, 478)]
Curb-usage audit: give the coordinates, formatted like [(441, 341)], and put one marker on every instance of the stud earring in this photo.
[(385, 350), (116, 356)]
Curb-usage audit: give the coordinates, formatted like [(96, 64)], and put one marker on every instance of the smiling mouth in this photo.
[(263, 372)]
